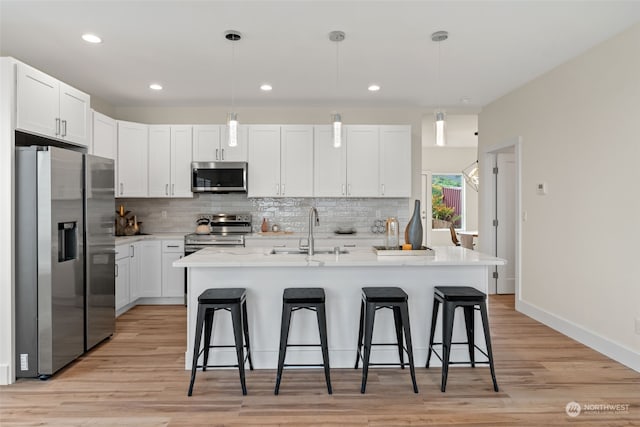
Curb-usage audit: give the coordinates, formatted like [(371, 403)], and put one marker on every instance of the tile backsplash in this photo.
[(291, 214)]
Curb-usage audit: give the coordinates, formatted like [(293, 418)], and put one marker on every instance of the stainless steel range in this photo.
[(224, 230)]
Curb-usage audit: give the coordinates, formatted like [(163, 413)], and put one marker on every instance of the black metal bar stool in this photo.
[(210, 301), (374, 299), (294, 299), (469, 298)]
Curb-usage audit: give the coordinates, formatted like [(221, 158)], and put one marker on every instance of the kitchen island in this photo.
[(265, 275)]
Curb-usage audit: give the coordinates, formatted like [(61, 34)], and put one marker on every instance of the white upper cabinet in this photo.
[(280, 161), (395, 161), (132, 159), (264, 161), (296, 161), (170, 150), (159, 161), (363, 174), (209, 144), (330, 164), (181, 143), (51, 108), (373, 161), (105, 136)]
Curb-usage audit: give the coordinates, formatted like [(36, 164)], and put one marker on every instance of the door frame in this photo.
[(487, 244)]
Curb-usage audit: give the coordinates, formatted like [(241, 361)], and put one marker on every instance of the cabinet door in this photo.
[(134, 271), (105, 136), (237, 153), (122, 283), (330, 164), (74, 115), (149, 261), (395, 161), (172, 277), (159, 161), (264, 161), (206, 143), (181, 148), (132, 159), (37, 102), (362, 161), (296, 161)]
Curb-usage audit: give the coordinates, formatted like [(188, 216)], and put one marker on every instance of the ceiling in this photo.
[(493, 47)]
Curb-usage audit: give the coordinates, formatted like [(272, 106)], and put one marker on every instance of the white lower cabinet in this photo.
[(122, 277), (172, 277), (148, 258)]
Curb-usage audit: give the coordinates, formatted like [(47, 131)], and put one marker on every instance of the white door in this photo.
[(74, 115), (206, 143), (37, 102), (181, 143), (237, 153), (105, 136), (395, 161), (363, 175), (506, 219), (149, 260), (296, 161), (172, 277), (330, 164), (132, 159), (264, 161), (159, 161)]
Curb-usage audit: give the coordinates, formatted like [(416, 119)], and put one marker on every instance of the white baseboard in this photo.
[(5, 374), (603, 345)]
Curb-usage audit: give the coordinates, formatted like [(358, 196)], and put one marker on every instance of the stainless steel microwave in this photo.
[(219, 177)]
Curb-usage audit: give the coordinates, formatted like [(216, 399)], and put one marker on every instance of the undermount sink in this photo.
[(297, 251)]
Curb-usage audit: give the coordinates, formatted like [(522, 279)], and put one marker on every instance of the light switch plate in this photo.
[(638, 325), (541, 188)]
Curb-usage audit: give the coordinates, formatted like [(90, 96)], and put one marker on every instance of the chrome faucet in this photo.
[(313, 213)]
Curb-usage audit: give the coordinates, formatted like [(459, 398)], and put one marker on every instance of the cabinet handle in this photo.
[(277, 189), (217, 151), (223, 154), (173, 246), (133, 251), (166, 189), (343, 189), (349, 189), (349, 246), (121, 189), (57, 126), (116, 270), (383, 189), (64, 128), (173, 189), (282, 190)]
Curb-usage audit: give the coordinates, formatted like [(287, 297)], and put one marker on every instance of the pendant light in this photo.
[(336, 118), (438, 37), (232, 117)]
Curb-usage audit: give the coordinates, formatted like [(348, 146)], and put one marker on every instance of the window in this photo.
[(447, 200)]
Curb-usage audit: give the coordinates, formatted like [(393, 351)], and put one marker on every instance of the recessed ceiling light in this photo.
[(374, 88), (155, 86), (266, 87), (465, 100), (91, 38)]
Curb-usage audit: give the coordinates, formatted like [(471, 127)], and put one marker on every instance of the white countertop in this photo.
[(123, 240), (260, 257)]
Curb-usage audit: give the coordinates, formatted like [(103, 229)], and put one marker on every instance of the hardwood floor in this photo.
[(137, 379)]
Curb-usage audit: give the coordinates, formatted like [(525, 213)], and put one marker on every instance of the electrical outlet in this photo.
[(163, 214), (541, 188), (638, 325), (378, 213), (24, 362)]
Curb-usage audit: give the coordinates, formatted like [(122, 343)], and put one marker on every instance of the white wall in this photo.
[(579, 127)]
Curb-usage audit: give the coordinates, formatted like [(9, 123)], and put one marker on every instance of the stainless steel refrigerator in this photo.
[(54, 193)]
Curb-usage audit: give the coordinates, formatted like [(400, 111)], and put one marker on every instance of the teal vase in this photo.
[(413, 232)]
